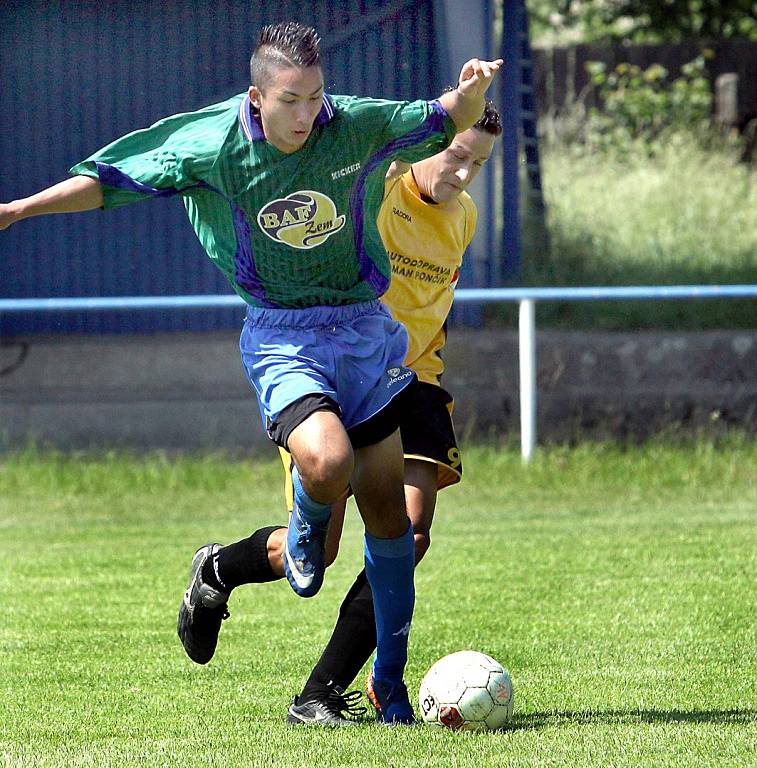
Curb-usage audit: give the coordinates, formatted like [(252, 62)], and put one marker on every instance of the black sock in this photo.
[(351, 644), (243, 562)]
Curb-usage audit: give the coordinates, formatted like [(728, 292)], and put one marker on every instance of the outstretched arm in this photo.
[(79, 193), (465, 104)]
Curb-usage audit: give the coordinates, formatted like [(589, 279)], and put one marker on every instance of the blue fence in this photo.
[(462, 295)]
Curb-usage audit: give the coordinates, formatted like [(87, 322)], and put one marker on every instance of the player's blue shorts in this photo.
[(352, 354)]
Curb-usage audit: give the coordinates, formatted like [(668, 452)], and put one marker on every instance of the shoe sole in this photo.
[(198, 655)]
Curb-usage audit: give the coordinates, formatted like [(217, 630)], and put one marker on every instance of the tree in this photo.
[(642, 21)]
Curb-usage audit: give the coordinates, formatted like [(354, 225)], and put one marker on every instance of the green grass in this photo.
[(686, 216), (616, 584)]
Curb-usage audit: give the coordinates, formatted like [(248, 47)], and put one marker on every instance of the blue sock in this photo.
[(389, 565), (311, 511)]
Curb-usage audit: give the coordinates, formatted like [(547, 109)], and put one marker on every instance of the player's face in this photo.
[(452, 170), (288, 105)]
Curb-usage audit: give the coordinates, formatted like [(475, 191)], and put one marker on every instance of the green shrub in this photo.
[(641, 108)]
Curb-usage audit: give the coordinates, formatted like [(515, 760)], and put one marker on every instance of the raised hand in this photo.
[(476, 77)]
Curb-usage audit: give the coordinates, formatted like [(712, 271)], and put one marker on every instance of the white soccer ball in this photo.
[(466, 691)]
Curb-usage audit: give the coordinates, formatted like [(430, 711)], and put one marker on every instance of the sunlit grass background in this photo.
[(684, 216)]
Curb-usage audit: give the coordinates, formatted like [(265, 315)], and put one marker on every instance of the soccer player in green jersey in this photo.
[(281, 185)]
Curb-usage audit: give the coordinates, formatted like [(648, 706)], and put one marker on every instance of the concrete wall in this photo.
[(188, 391), (608, 385)]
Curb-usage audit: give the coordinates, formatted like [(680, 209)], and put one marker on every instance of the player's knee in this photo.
[(422, 544), (326, 475)]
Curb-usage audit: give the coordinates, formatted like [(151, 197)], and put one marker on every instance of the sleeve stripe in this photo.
[(434, 123)]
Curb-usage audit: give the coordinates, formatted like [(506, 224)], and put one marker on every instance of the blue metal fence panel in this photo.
[(76, 75), (510, 97)]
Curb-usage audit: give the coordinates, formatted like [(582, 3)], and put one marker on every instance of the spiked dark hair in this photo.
[(490, 121), (288, 44)]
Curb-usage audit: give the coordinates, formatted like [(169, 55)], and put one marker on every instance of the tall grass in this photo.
[(685, 216)]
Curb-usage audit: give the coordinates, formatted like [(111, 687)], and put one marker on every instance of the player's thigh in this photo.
[(377, 483)]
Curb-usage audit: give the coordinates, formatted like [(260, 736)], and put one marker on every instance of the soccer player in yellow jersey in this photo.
[(426, 221)]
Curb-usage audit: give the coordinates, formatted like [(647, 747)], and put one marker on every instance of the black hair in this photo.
[(490, 121), (288, 44)]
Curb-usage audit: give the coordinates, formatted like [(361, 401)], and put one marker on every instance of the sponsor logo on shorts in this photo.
[(396, 374), (304, 219)]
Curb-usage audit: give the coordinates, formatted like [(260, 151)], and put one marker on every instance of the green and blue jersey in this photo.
[(287, 230)]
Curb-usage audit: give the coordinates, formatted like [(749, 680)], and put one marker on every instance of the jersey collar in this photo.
[(412, 185), (250, 123)]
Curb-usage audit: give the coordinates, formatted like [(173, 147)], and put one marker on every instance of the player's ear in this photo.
[(254, 93)]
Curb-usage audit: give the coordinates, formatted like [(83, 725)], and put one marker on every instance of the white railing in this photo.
[(526, 297)]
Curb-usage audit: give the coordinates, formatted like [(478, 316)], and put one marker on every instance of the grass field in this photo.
[(616, 584)]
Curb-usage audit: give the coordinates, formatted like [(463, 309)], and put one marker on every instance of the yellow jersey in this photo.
[(425, 242)]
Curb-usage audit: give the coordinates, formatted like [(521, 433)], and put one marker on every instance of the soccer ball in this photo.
[(466, 691)]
